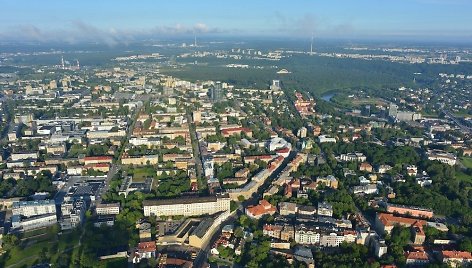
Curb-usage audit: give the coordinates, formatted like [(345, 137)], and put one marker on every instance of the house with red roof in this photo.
[(456, 258), (263, 208), (416, 258)]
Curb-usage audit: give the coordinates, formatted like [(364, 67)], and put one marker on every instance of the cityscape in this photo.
[(193, 146)]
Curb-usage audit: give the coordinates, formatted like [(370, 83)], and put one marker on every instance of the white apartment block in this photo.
[(108, 209), (305, 236), (34, 208), (186, 206)]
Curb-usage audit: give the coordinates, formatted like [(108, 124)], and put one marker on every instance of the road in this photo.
[(196, 147), (457, 122), (202, 256), (116, 166)]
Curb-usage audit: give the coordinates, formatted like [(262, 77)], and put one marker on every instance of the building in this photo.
[(145, 250), (302, 132), (34, 222), (328, 181), (456, 258), (197, 117), (324, 138), (353, 157), (190, 206), (385, 222), (97, 159), (275, 85), (379, 246), (140, 160), (33, 208), (263, 208), (364, 166), (306, 235), (443, 157), (287, 208), (108, 209), (73, 214), (325, 209), (365, 189), (410, 211), (416, 258)]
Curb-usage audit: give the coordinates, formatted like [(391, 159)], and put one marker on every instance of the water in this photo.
[(327, 97)]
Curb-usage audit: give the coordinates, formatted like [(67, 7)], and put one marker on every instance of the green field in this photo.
[(467, 161), (464, 177), (38, 244)]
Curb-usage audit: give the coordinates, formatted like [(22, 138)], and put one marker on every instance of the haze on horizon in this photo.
[(114, 22)]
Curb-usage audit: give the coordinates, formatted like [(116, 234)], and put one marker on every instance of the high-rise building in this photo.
[(216, 92), (275, 85)]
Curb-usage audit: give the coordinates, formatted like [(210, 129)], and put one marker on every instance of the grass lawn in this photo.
[(467, 161), (31, 248), (112, 263), (140, 173), (464, 177)]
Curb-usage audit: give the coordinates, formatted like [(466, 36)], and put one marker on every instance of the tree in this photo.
[(10, 241)]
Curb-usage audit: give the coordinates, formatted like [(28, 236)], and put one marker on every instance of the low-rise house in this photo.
[(364, 166)]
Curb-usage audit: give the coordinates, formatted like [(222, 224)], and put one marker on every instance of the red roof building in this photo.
[(260, 210)]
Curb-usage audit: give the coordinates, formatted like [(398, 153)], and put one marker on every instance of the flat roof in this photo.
[(180, 200)]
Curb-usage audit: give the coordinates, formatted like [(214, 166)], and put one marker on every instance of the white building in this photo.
[(34, 222), (305, 235), (325, 209), (73, 214), (186, 206), (443, 157), (324, 138), (108, 209), (33, 208)]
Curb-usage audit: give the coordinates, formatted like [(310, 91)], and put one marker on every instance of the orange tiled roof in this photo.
[(390, 220), (418, 255), (452, 254)]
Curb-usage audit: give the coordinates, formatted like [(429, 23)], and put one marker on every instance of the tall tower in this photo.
[(195, 40), (311, 45), (62, 62), (78, 65)]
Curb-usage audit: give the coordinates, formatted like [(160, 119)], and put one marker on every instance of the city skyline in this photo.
[(119, 22)]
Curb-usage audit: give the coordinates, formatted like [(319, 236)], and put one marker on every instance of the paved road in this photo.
[(196, 148), (457, 122)]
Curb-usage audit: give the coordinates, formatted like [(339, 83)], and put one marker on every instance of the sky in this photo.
[(115, 21)]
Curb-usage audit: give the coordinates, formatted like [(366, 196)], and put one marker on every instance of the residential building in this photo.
[(456, 258), (108, 209), (410, 211), (325, 209), (33, 208), (263, 208), (190, 206)]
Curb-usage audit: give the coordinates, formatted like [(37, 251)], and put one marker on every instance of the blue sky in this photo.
[(115, 21)]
